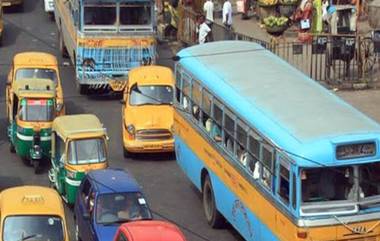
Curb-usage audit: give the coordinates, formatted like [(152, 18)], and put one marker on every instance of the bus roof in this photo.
[(30, 200), (34, 88), (294, 111), (34, 59), (151, 75), (78, 126)]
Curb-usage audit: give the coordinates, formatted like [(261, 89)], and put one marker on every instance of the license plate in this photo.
[(151, 146)]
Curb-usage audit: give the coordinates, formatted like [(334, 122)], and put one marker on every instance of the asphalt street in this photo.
[(169, 193)]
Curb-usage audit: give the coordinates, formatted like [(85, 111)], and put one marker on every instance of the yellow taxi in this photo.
[(38, 65), (8, 3), (148, 110), (32, 213)]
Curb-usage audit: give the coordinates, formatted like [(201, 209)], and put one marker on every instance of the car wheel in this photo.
[(213, 216)]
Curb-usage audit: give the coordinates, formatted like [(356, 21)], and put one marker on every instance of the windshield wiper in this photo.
[(122, 220), (30, 236)]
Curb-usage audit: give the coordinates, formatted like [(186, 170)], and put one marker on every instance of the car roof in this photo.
[(30, 200), (151, 75), (153, 230), (34, 88), (78, 126), (113, 181), (34, 59)]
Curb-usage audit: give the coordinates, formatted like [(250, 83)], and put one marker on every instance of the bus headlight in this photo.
[(131, 129)]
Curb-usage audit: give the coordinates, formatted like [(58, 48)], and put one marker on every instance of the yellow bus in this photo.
[(105, 39)]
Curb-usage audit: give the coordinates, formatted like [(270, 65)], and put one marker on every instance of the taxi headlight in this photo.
[(131, 129)]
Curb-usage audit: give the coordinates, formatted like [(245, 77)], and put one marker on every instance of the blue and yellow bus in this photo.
[(273, 152), (105, 39)]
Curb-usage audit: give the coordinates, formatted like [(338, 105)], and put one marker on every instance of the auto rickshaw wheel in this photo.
[(12, 148), (83, 89), (367, 54)]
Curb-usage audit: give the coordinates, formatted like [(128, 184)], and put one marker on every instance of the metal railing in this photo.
[(335, 59)]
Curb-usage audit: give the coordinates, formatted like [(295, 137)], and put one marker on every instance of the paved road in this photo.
[(170, 194)]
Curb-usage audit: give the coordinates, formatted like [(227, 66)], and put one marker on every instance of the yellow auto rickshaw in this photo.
[(79, 144), (37, 65), (31, 106), (32, 213)]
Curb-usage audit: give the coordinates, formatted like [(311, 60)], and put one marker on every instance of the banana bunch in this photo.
[(273, 21)]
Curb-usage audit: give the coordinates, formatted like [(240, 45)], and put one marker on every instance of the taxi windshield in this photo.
[(36, 110), (86, 151), (36, 73), (121, 207), (36, 228), (151, 95)]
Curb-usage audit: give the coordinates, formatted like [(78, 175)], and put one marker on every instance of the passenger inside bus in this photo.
[(214, 130), (196, 112)]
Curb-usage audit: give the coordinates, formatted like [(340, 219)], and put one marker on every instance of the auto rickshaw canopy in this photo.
[(78, 126), (30, 200), (35, 60), (34, 88)]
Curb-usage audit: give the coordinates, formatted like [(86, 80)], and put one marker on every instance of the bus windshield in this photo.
[(36, 73), (135, 14), (151, 95), (86, 151), (37, 228), (100, 14), (36, 110)]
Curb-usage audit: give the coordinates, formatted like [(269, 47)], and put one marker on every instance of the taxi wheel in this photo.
[(12, 148), (127, 154), (213, 216)]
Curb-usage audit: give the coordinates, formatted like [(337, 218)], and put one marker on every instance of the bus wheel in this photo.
[(83, 89), (213, 216), (62, 47), (12, 148)]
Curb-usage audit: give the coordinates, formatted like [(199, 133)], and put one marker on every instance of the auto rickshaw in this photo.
[(31, 108), (79, 145), (37, 65)]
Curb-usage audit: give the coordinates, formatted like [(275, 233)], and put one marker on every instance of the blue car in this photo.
[(107, 198)]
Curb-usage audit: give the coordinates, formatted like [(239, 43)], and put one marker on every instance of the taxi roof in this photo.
[(44, 88), (151, 75), (30, 200), (33, 59), (77, 126), (113, 181), (153, 229)]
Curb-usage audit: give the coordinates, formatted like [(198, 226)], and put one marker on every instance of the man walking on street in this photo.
[(208, 8), (204, 30), (227, 19)]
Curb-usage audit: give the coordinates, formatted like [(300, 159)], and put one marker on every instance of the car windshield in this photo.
[(121, 207), (151, 95), (86, 151), (36, 228), (36, 73), (36, 110), (135, 14), (100, 14)]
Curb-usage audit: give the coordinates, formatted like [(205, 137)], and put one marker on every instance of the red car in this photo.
[(149, 230)]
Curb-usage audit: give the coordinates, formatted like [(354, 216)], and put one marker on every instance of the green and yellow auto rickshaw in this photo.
[(31, 109), (79, 144)]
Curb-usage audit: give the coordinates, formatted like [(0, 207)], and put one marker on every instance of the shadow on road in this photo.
[(9, 181), (10, 35)]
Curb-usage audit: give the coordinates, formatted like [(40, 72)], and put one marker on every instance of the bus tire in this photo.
[(214, 218), (83, 89), (62, 47)]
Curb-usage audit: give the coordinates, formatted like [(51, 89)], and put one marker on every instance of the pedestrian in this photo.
[(227, 14), (203, 31), (208, 8)]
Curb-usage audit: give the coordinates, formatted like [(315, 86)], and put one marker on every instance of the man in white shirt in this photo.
[(227, 14), (208, 8), (204, 30)]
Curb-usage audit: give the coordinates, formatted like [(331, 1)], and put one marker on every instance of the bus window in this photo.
[(294, 191), (241, 143), (254, 165), (186, 93), (178, 84), (229, 130), (284, 184), (369, 179), (196, 92), (216, 125), (267, 159), (327, 184), (206, 108), (135, 14), (99, 14)]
